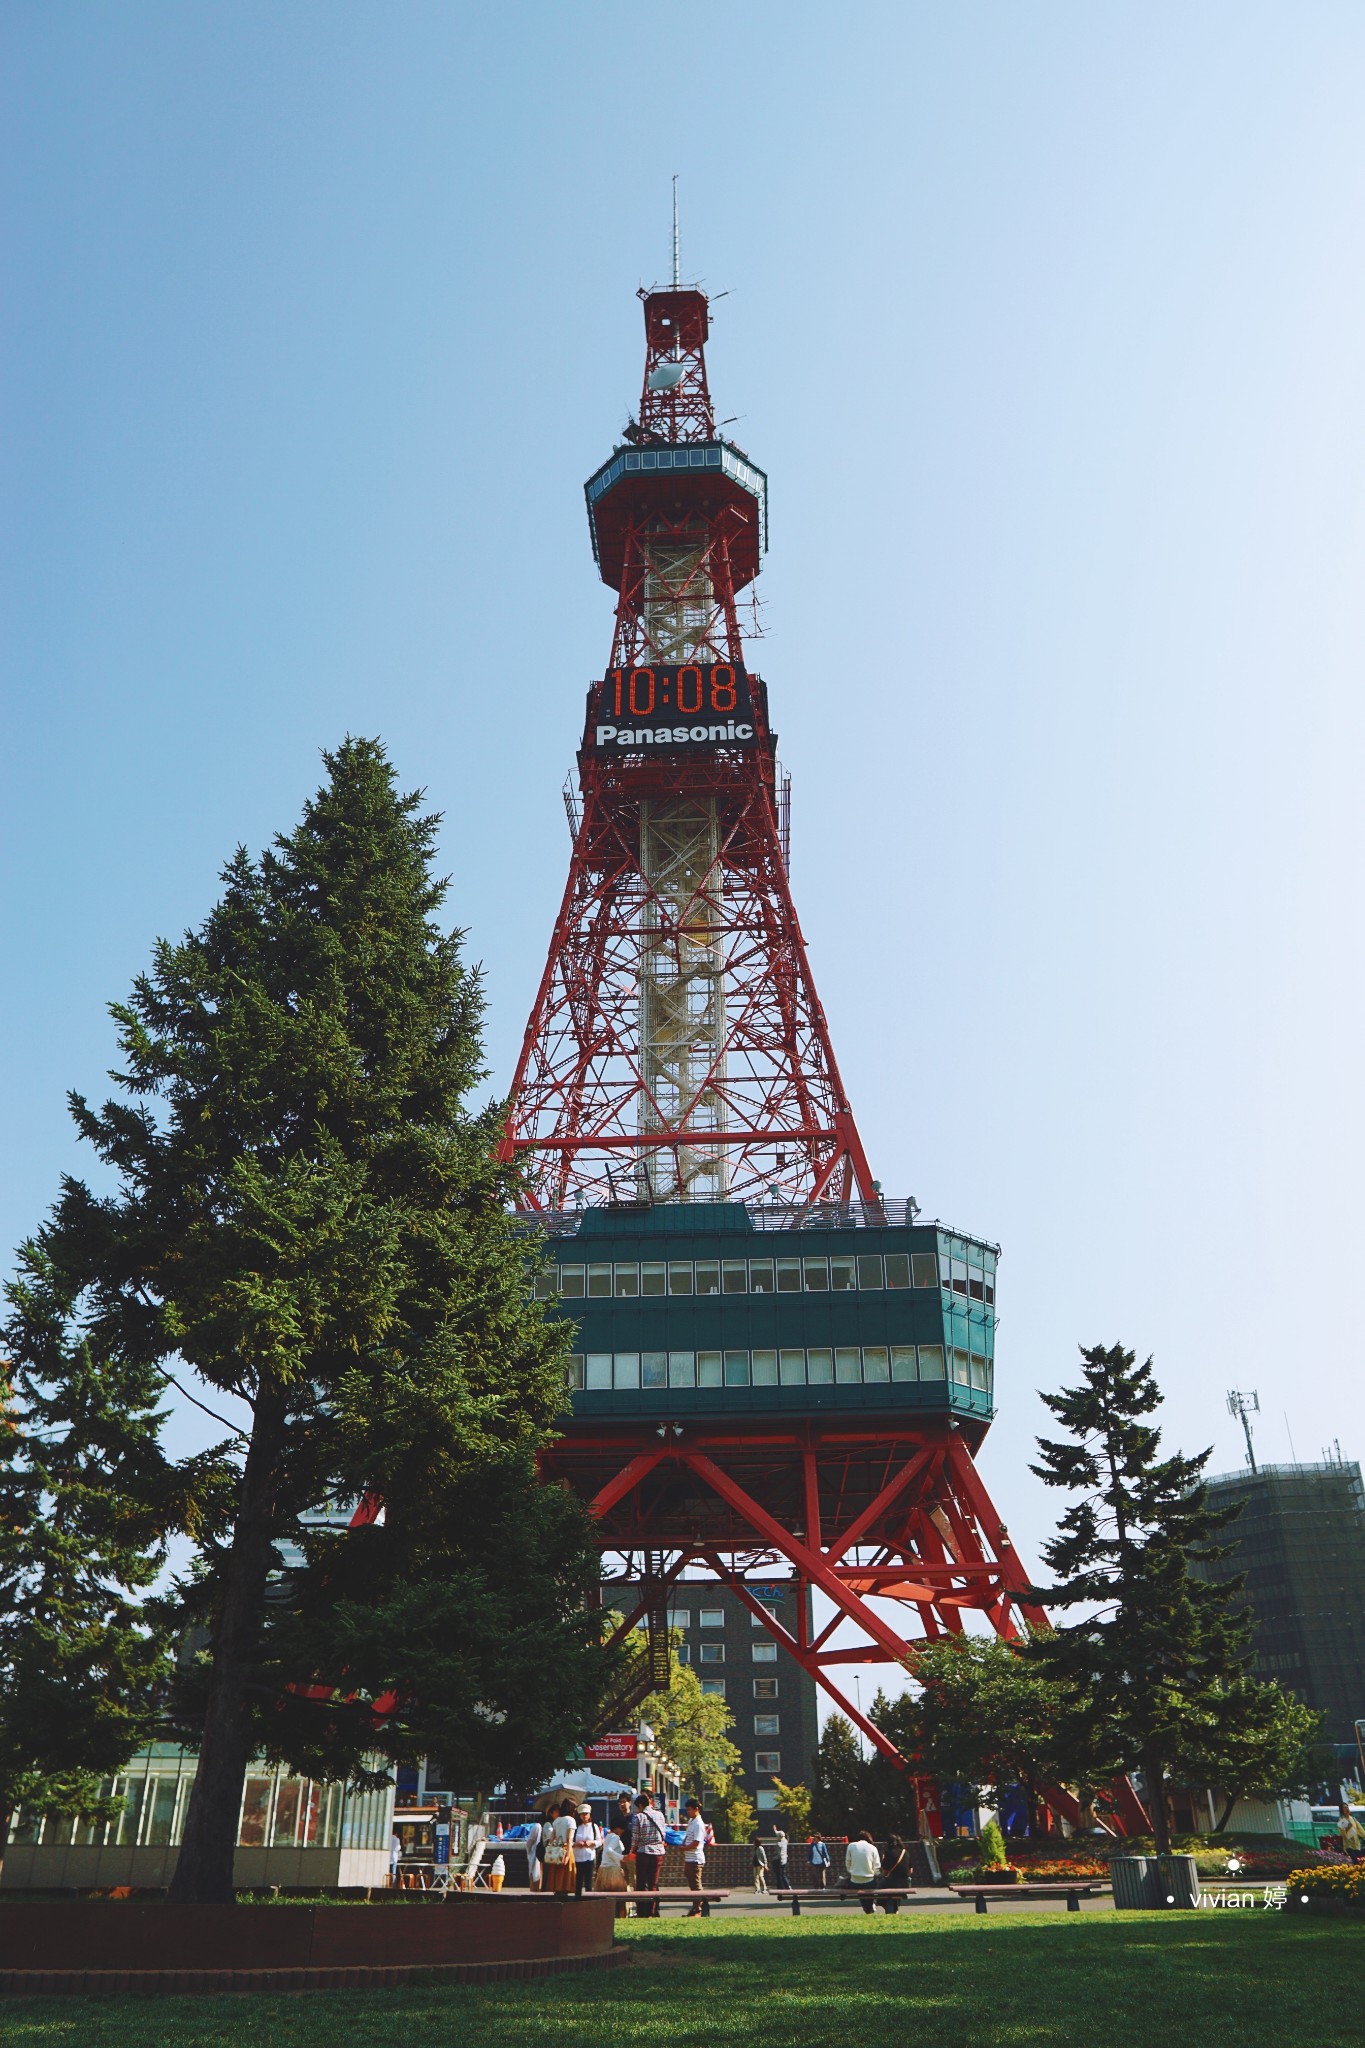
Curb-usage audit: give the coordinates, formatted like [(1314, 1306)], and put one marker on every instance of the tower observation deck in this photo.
[(776, 1367)]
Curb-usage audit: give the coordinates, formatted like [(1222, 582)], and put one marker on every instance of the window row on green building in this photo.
[(844, 1364), (628, 1280)]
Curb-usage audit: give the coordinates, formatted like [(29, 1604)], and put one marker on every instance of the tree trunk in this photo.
[(1227, 1813), (6, 1823), (1154, 1772), (203, 1871)]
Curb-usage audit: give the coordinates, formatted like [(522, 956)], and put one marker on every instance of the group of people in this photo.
[(866, 1867), (569, 1852)]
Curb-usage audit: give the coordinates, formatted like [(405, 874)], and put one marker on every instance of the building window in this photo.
[(680, 1617), (714, 1685), (683, 1653), (712, 1617), (973, 1276), (711, 1653), (765, 1800), (769, 1760), (767, 1724), (765, 1653), (765, 1688)]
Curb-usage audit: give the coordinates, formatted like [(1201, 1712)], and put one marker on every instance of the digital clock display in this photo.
[(687, 704)]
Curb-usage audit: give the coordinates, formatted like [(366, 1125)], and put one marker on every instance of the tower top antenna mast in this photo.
[(1244, 1406), (677, 268)]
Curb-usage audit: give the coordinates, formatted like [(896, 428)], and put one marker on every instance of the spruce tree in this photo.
[(308, 1215), (86, 1499), (1159, 1648), (840, 1774)]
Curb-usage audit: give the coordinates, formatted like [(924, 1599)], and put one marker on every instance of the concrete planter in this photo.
[(138, 1938)]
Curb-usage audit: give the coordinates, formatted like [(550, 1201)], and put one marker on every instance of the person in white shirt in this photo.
[(694, 1851), (586, 1843), (863, 1863)]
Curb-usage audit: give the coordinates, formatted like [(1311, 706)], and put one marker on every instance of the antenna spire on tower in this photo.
[(677, 271)]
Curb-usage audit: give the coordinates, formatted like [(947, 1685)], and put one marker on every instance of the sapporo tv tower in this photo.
[(779, 1367)]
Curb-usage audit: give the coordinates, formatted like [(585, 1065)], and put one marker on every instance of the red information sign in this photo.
[(613, 1749)]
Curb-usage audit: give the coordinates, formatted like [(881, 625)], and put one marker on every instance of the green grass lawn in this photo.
[(1096, 1981)]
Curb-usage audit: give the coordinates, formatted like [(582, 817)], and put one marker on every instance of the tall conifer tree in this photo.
[(86, 1498), (1156, 1657), (308, 1215)]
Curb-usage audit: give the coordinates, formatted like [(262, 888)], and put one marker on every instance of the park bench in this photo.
[(840, 1895), (681, 1895), (1072, 1892)]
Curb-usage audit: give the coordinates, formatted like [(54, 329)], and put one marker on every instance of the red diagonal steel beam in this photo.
[(628, 1477), (876, 1508), (811, 1562)]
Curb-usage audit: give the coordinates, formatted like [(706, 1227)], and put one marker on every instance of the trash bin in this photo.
[(1132, 1877), (1177, 1881)]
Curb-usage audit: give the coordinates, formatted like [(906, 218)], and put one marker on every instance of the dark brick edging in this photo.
[(376, 1977)]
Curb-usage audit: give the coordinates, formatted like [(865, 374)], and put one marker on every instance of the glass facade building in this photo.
[(1300, 1540)]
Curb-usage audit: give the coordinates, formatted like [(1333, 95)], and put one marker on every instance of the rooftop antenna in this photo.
[(677, 271), (1244, 1406)]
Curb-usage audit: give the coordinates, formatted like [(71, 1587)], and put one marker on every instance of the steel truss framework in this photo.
[(880, 1512), (590, 1108)]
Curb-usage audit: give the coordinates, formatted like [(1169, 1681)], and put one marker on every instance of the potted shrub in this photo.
[(994, 1866)]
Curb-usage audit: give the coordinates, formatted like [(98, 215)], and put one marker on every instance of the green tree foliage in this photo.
[(839, 1789), (86, 1499), (992, 1855), (987, 1715), (307, 1212), (794, 1803), (890, 1801), (1157, 1647), (735, 1818), (1253, 1740), (690, 1726)]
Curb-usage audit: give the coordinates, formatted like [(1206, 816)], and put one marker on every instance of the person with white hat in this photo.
[(586, 1843)]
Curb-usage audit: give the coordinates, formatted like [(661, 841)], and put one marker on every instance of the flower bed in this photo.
[(1341, 1885)]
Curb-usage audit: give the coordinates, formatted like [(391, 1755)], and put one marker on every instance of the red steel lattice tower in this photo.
[(779, 1367), (677, 1049)]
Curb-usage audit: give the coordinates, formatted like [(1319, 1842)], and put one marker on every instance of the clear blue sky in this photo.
[(1049, 326)]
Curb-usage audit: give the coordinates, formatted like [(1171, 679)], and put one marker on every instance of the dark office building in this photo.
[(1301, 1543), (771, 1697)]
